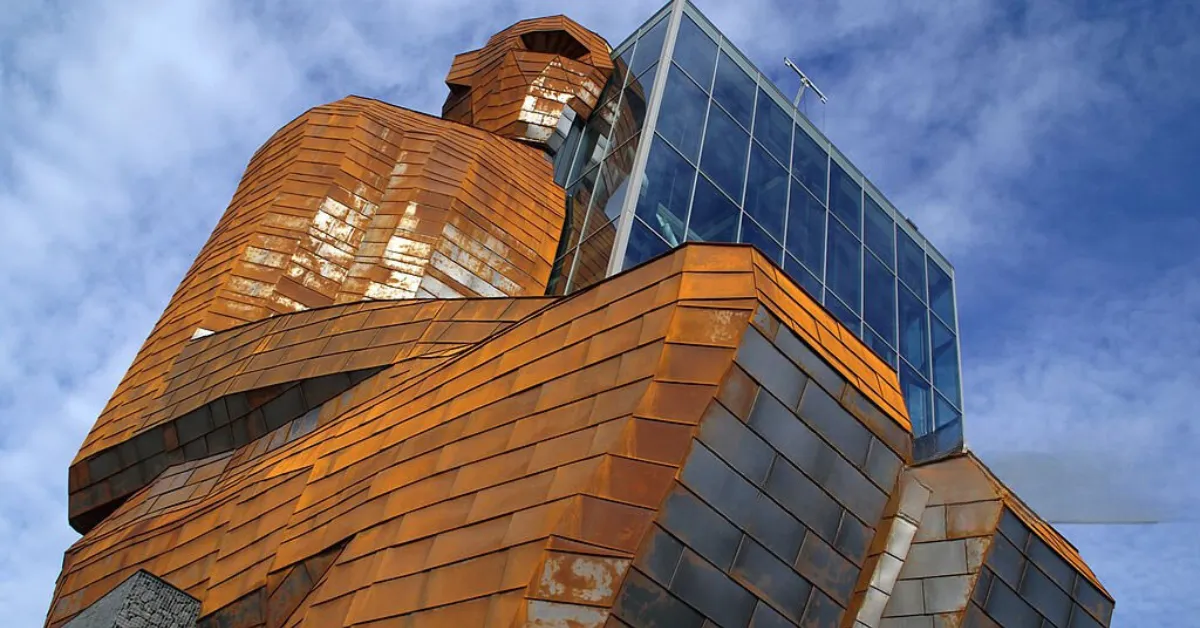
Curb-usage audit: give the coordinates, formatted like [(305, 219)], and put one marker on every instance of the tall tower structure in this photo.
[(498, 368)]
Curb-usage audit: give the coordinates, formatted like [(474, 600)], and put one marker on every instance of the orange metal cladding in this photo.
[(489, 481), (516, 85), (353, 200)]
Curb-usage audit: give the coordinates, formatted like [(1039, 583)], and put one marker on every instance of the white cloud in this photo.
[(126, 125)]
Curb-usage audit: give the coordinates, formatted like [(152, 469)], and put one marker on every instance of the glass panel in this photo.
[(944, 412), (754, 234), (843, 313), (844, 274), (724, 158), (916, 396), (941, 292), (800, 275), (687, 105), (809, 163), (773, 127), (633, 106), (649, 47), (945, 360), (695, 52), (714, 217), (766, 191), (910, 262), (845, 199), (879, 346), (734, 89), (592, 260), (806, 229), (879, 297), (665, 191), (594, 144), (879, 232), (643, 245), (914, 331)]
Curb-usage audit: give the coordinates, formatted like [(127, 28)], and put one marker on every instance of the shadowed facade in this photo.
[(360, 409)]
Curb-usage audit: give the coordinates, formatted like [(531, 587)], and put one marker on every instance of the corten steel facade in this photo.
[(368, 404)]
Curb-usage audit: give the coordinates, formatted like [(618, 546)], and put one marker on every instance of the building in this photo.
[(468, 371)]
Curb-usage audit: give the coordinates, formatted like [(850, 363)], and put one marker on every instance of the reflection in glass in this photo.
[(714, 217), (806, 229), (724, 157), (649, 47), (809, 163), (941, 292), (944, 413), (916, 395), (591, 264), (685, 105), (800, 275), (695, 52), (910, 263), (843, 313), (766, 191), (666, 186), (734, 90), (879, 298), (945, 361), (594, 144), (643, 245), (879, 346), (845, 199), (633, 107), (879, 232), (914, 331), (843, 275), (754, 234), (773, 127)]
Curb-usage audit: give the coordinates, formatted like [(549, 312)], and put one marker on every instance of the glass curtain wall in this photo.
[(731, 160)]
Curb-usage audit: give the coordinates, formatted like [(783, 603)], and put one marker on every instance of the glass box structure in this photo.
[(692, 142)]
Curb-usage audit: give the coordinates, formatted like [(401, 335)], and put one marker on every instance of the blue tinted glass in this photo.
[(844, 275), (665, 191), (714, 217), (806, 229), (910, 262), (800, 275), (633, 107), (880, 347), (643, 245), (766, 191), (945, 360), (916, 396), (753, 234), (944, 413), (773, 127), (695, 52), (724, 158), (879, 298), (843, 313), (649, 47), (845, 199), (809, 163), (878, 231), (686, 105), (734, 89), (941, 292), (914, 331)]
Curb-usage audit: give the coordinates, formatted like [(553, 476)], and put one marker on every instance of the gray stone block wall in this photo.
[(141, 601)]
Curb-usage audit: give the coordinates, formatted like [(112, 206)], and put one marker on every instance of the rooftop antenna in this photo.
[(805, 83)]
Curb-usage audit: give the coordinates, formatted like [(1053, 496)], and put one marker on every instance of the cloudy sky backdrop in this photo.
[(1048, 148)]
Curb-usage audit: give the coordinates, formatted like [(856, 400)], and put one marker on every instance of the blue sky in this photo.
[(1048, 148)]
